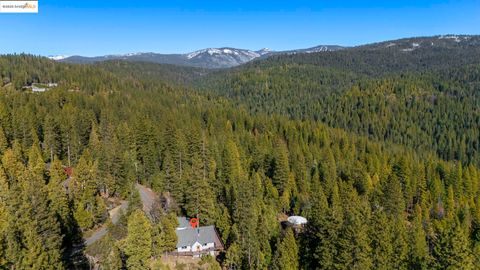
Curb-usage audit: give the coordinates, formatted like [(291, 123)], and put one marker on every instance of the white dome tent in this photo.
[(297, 220)]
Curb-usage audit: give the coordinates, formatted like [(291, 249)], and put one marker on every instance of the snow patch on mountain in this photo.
[(264, 51), (318, 49), (133, 54), (415, 45), (223, 52), (454, 37), (58, 57)]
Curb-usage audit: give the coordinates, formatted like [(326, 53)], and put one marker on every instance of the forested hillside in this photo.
[(385, 168), (425, 99)]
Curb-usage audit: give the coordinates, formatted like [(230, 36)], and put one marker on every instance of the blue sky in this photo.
[(98, 27)]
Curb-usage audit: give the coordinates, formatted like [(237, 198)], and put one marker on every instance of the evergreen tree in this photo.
[(164, 237), (138, 245), (353, 243), (233, 257), (286, 256), (328, 170), (394, 201), (281, 167), (247, 211), (400, 244), (452, 250), (419, 253), (4, 217), (51, 134), (322, 232), (58, 198), (3, 142), (85, 190), (382, 238), (40, 228), (114, 259), (199, 200), (232, 173)]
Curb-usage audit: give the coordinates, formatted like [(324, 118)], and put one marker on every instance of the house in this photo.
[(36, 88), (197, 241), (41, 87)]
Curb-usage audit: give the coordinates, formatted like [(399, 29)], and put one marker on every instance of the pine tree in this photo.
[(233, 257), (281, 167), (199, 200), (174, 164), (286, 256), (138, 245), (86, 174), (3, 142), (328, 170), (400, 244), (164, 237), (58, 198), (114, 259), (419, 253), (452, 250), (51, 140), (223, 222), (382, 238), (94, 143), (394, 202), (12, 165), (85, 190), (247, 211), (353, 243), (35, 256), (321, 237), (35, 161), (4, 217), (41, 230), (231, 173), (173, 184)]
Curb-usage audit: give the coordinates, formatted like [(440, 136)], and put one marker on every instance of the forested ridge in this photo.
[(427, 98), (385, 168)]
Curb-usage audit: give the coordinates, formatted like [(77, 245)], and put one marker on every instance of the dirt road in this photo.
[(114, 217)]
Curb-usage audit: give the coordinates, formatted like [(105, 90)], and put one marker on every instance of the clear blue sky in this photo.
[(98, 27)]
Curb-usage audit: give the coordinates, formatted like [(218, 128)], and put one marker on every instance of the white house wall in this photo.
[(193, 248), (208, 245), (186, 249)]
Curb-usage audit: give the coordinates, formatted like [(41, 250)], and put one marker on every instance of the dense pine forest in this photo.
[(383, 162)]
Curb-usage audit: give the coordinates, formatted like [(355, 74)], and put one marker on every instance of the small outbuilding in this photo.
[(297, 221)]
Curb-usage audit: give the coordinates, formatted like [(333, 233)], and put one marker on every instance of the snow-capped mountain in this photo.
[(222, 57), (322, 48), (229, 57), (206, 58), (58, 57), (264, 51), (425, 43)]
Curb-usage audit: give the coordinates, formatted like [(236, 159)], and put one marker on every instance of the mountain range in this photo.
[(206, 58), (226, 57)]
